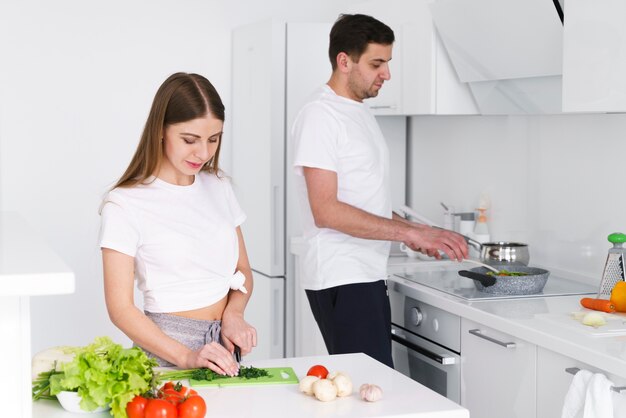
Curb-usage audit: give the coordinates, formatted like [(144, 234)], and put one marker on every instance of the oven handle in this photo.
[(399, 337)]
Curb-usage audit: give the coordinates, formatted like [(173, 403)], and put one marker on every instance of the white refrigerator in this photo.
[(275, 67)]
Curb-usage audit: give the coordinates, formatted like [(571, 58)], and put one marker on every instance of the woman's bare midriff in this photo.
[(208, 313)]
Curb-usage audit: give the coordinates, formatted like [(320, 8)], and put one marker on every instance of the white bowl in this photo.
[(70, 401)]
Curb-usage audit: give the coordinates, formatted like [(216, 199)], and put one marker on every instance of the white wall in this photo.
[(76, 82), (555, 182)]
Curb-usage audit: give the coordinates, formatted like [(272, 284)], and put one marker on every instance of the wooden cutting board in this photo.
[(615, 324), (277, 376)]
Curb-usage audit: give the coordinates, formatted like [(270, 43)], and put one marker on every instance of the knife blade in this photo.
[(237, 355)]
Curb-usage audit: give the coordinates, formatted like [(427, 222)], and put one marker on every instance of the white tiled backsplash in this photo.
[(555, 182)]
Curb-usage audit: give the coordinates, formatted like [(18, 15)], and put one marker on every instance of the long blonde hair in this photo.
[(181, 98)]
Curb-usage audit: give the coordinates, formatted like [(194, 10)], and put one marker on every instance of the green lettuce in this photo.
[(105, 373)]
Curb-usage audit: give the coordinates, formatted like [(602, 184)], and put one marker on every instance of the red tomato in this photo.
[(159, 408), (185, 391), (172, 396), (318, 370), (136, 407), (168, 385), (193, 407)]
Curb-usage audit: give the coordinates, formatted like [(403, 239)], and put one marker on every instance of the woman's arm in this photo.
[(235, 330), (118, 292)]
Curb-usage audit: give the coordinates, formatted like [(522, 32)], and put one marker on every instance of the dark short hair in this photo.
[(353, 33)]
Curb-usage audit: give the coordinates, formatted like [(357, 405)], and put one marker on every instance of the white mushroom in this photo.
[(324, 390), (370, 393), (343, 384), (306, 384)]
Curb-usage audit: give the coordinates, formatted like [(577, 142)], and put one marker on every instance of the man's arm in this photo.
[(328, 212)]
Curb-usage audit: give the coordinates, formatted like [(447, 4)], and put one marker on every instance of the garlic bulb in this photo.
[(306, 384), (324, 390), (343, 384), (370, 393)]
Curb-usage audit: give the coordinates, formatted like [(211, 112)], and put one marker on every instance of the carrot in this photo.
[(598, 304)]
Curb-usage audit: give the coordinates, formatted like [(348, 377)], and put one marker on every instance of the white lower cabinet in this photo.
[(553, 382), (498, 373)]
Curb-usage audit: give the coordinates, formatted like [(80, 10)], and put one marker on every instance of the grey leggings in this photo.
[(193, 333)]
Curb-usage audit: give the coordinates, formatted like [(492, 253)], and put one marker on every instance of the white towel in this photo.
[(575, 398), (599, 398)]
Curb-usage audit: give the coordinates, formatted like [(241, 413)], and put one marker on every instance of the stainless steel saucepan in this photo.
[(501, 252)]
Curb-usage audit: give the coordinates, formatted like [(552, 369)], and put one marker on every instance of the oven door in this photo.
[(431, 365)]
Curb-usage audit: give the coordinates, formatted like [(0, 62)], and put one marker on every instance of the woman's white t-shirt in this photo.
[(183, 239), (335, 133)]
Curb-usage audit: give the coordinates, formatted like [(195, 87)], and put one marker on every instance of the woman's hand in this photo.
[(215, 357), (236, 331)]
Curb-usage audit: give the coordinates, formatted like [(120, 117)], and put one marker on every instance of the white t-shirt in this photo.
[(335, 133), (183, 239)]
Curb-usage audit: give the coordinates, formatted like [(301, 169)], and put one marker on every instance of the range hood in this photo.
[(509, 51)]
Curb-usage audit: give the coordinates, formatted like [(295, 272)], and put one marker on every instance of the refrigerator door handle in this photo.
[(276, 222)]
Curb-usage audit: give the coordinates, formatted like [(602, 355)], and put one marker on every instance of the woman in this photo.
[(172, 221)]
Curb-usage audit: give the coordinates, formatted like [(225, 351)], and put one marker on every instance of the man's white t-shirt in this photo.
[(338, 134), (183, 239)]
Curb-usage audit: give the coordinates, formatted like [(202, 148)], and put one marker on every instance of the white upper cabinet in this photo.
[(501, 39), (423, 80), (594, 56)]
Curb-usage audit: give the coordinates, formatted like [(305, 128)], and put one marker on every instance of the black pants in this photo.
[(354, 318)]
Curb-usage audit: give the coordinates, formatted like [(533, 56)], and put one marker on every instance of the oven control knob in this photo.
[(416, 316)]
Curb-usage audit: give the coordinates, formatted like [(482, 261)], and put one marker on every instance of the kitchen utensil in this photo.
[(501, 252), (237, 354), (482, 278), (614, 266), (487, 266), (277, 375), (530, 284)]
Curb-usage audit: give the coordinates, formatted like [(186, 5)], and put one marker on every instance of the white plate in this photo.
[(70, 401)]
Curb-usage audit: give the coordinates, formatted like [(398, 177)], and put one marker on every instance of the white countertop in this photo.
[(401, 395), (27, 264), (526, 319)]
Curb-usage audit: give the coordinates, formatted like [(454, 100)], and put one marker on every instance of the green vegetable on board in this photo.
[(208, 374)]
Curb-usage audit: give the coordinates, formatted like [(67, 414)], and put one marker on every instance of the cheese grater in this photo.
[(614, 267)]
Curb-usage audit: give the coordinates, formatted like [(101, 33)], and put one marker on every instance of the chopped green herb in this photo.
[(507, 273), (209, 375)]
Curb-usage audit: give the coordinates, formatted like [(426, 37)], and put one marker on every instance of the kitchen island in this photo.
[(401, 395)]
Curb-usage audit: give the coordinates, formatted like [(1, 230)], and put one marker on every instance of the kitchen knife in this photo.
[(237, 355)]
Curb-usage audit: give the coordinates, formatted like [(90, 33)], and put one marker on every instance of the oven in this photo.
[(426, 344)]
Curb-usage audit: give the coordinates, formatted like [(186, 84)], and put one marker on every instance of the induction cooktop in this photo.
[(445, 278)]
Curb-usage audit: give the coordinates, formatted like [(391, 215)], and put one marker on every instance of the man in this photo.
[(343, 165)]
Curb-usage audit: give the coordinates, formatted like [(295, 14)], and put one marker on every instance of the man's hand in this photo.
[(430, 241)]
